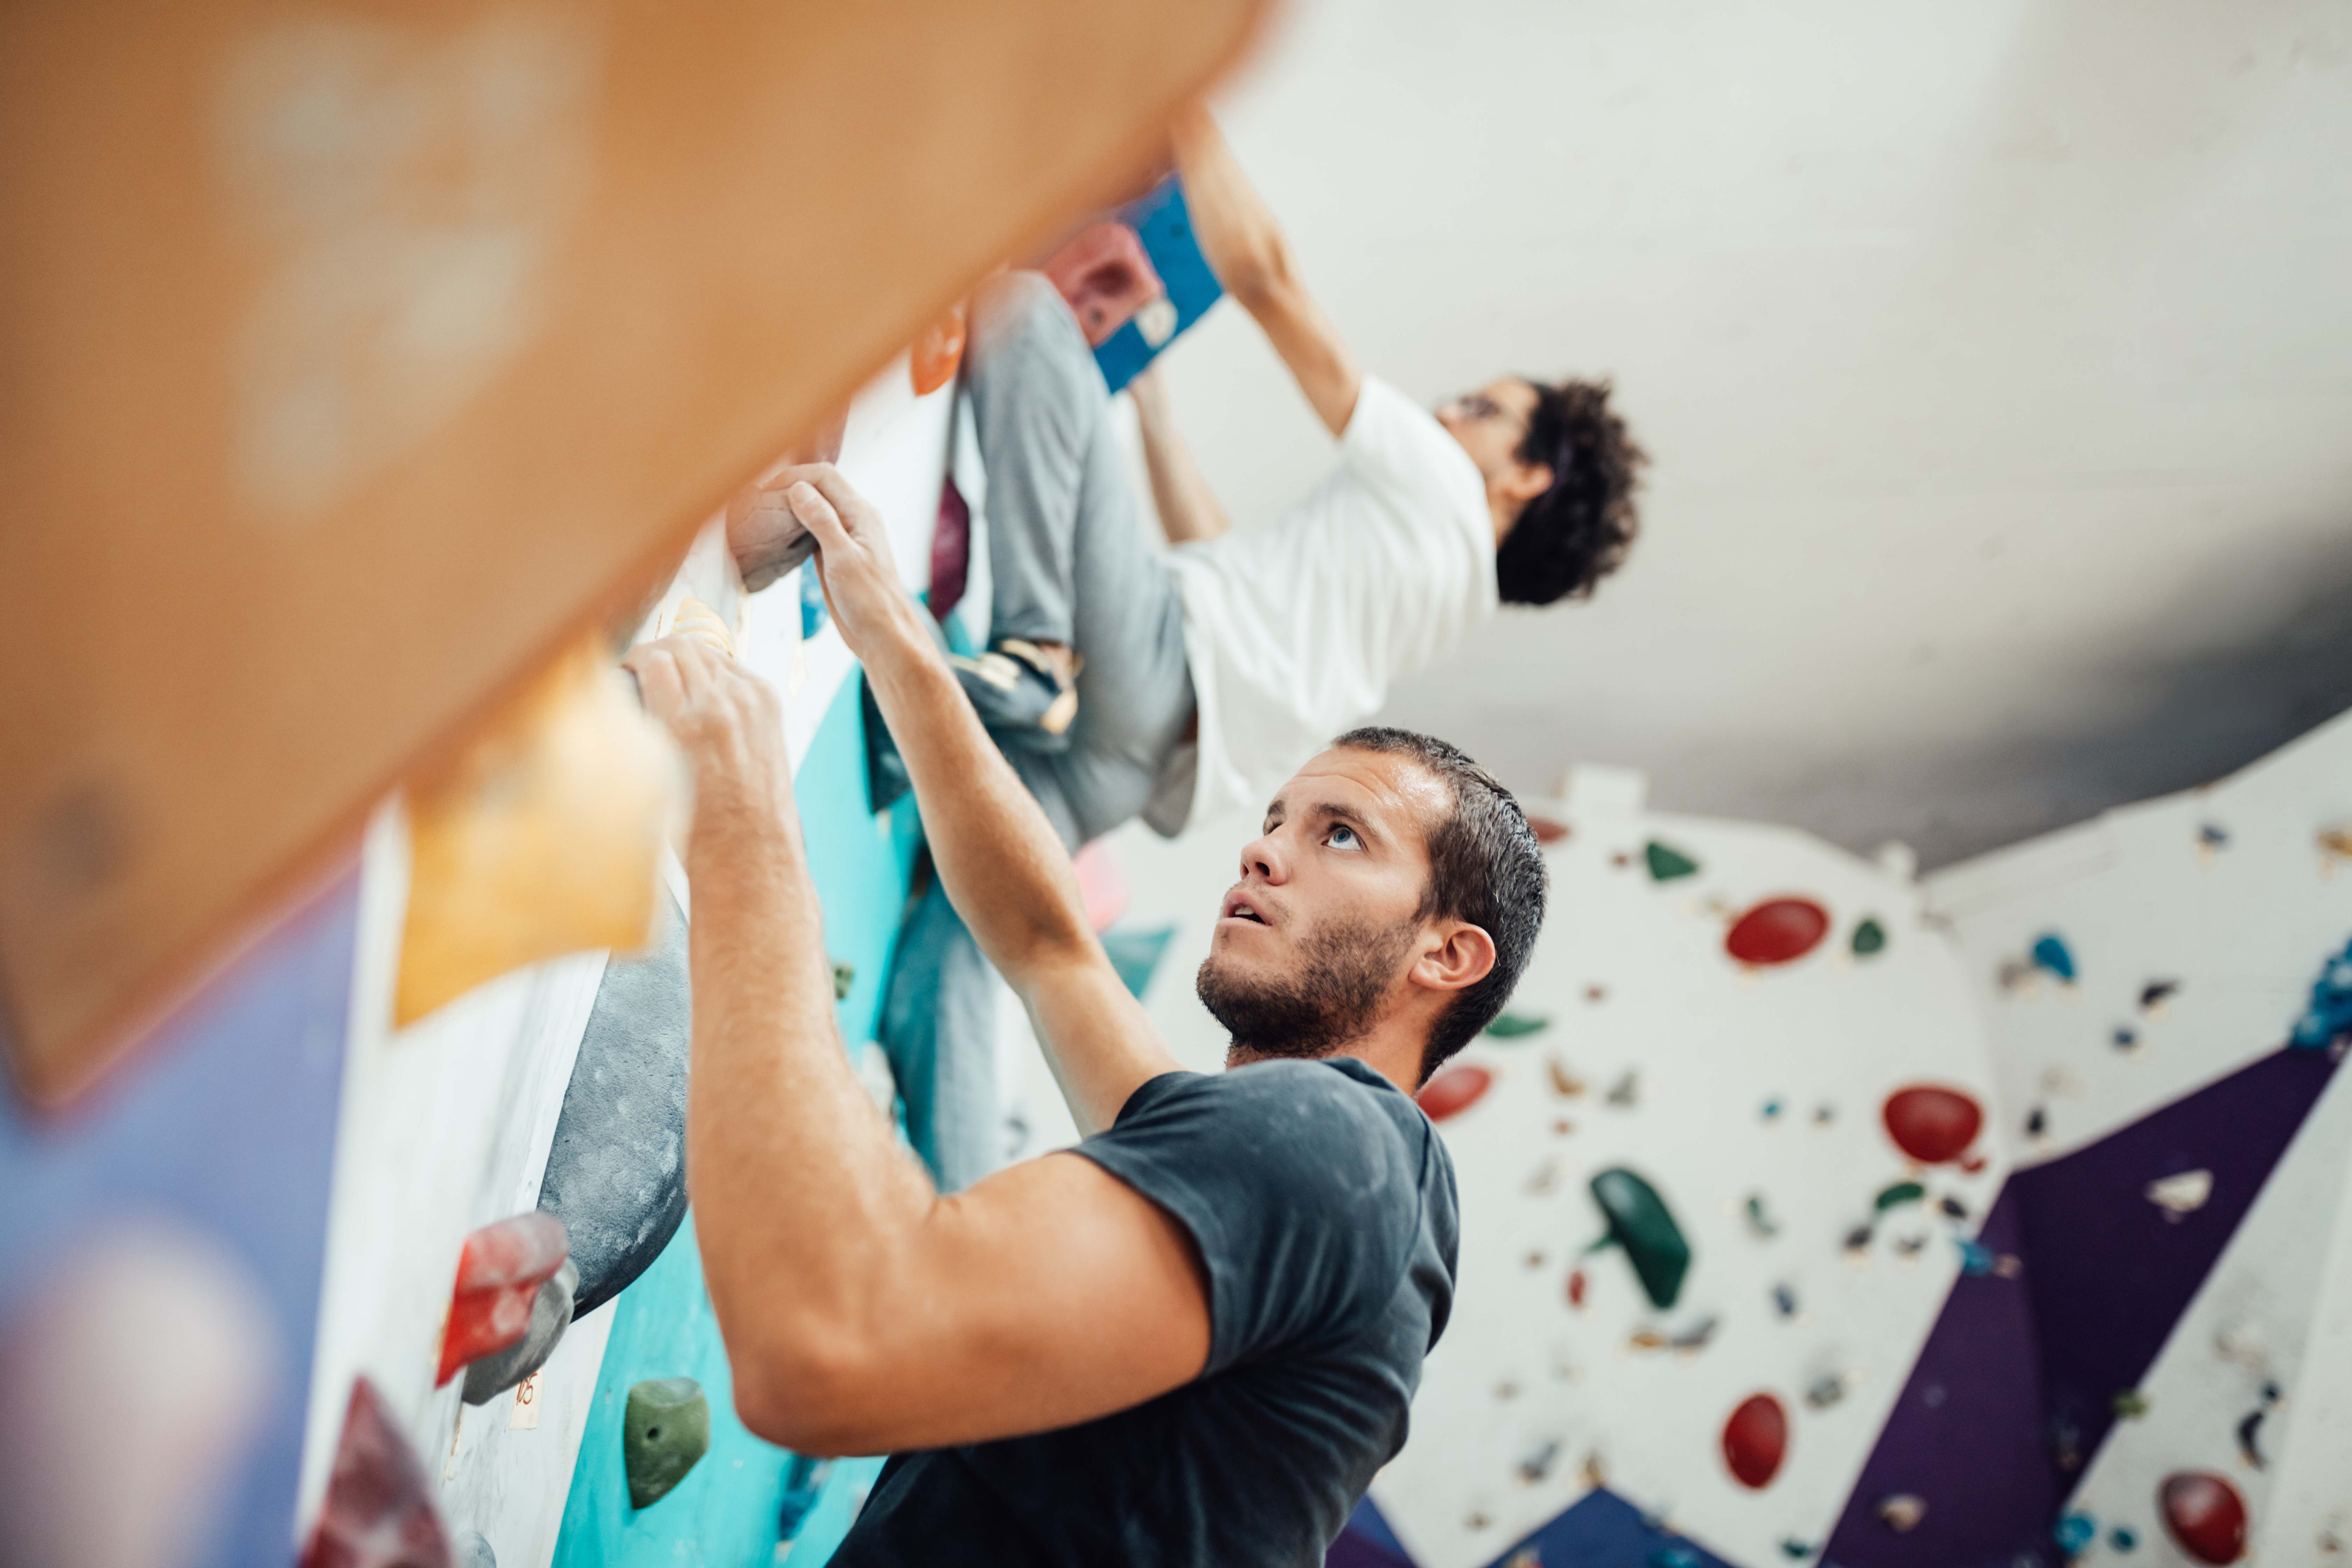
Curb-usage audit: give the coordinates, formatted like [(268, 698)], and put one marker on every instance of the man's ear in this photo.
[(1464, 956), (1526, 481)]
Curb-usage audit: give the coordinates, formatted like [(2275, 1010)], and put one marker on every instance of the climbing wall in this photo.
[(2167, 992), (2006, 1224), (302, 1238), (449, 1125), (1695, 1263)]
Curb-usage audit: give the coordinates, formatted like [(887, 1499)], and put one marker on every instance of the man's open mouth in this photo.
[(1238, 909)]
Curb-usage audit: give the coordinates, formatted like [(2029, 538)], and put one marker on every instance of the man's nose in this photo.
[(1263, 857)]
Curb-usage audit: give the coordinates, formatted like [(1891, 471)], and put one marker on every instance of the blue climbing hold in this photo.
[(813, 611), (1976, 1257), (1673, 1556), (2051, 952), (2074, 1533), (805, 1480), (2122, 1539), (1135, 954)]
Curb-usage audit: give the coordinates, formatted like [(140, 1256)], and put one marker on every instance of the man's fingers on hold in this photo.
[(811, 508)]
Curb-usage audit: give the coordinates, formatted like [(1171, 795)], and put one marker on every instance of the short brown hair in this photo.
[(1485, 866)]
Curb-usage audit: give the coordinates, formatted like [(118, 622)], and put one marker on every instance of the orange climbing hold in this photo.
[(932, 360), (1778, 931), (1454, 1091), (1756, 1439), (498, 1277), (1106, 275)]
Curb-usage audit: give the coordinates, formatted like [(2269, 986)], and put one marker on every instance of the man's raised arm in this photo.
[(1004, 867), (863, 1312), (1251, 255)]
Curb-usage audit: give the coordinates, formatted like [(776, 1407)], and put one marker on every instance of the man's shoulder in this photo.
[(1322, 1132)]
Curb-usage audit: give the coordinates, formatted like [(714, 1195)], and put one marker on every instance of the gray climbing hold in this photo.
[(617, 1173), (472, 1552), (550, 1314), (664, 1431)]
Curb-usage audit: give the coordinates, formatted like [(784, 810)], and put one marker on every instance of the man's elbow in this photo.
[(1258, 274), (813, 1402)]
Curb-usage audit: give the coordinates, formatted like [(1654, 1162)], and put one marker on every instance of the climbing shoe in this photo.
[(1013, 687)]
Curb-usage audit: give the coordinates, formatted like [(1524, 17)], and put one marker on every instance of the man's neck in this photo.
[(1397, 1061)]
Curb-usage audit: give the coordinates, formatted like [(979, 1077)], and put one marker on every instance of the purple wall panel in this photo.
[(222, 1121), (2014, 1391)]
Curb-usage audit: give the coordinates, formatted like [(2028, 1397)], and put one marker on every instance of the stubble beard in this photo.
[(1345, 969)]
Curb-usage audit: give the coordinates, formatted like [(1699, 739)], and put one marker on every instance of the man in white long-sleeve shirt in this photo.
[(1122, 682)]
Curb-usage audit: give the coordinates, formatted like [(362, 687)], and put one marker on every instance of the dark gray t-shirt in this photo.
[(1323, 1206)]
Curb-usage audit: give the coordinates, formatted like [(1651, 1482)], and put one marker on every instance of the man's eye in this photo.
[(1344, 837)]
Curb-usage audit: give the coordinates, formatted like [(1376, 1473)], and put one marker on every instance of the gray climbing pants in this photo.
[(1068, 562)]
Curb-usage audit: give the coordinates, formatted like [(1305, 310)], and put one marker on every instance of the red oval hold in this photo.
[(1930, 1124), (1778, 931), (1454, 1091), (2205, 1514), (1756, 1439)]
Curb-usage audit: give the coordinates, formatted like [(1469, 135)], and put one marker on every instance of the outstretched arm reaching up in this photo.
[(1251, 257), (863, 1312), (1188, 510)]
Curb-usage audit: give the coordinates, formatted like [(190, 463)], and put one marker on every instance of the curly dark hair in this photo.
[(1578, 531)]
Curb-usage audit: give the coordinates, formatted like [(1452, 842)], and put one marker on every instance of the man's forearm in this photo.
[(1238, 233), (1251, 257), (1011, 879), (1001, 862), (1188, 510), (802, 1199)]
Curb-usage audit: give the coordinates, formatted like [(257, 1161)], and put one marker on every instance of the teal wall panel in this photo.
[(724, 1513)]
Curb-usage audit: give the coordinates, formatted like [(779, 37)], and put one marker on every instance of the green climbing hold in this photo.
[(664, 1430), (1901, 1193), (845, 975), (1666, 864), (1516, 1026), (1639, 1222), (1869, 936)]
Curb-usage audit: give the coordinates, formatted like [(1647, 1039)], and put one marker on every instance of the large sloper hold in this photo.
[(489, 1376), (498, 1278), (617, 1170), (665, 1432), (542, 836), (1639, 1222), (378, 1511)]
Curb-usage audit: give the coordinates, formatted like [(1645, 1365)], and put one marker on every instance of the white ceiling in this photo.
[(1996, 358)]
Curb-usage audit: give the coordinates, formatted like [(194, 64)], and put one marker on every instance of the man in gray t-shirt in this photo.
[(1192, 1339)]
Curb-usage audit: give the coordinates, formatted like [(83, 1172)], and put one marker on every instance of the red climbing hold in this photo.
[(498, 1277), (2205, 1514), (1106, 275), (1756, 1439), (1454, 1091), (950, 551), (931, 361), (379, 1508), (1576, 1289), (1548, 829), (1930, 1124), (1778, 931)]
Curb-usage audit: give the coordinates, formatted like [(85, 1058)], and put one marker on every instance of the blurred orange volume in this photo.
[(359, 355)]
